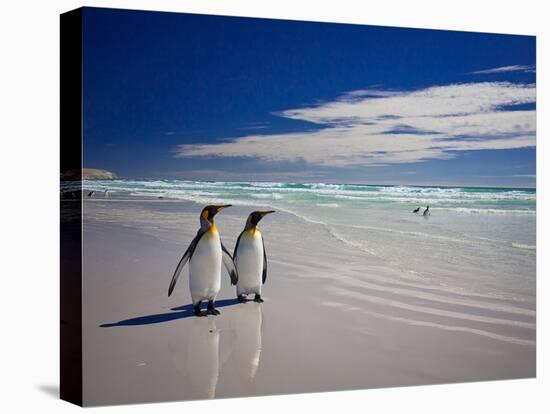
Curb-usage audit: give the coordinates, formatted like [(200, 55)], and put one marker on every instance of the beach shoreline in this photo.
[(334, 318)]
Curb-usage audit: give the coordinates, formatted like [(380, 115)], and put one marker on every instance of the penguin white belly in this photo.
[(249, 263), (205, 268)]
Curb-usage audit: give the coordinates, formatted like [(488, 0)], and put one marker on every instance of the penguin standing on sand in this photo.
[(251, 259), (205, 255), (426, 212)]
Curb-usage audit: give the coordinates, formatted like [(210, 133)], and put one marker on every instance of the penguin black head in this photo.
[(209, 212), (255, 217)]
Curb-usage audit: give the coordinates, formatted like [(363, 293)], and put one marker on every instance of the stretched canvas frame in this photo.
[(479, 328)]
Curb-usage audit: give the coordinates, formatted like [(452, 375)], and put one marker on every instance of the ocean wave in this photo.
[(273, 196), (464, 191), (487, 211), (524, 246), (468, 239), (331, 231), (348, 242), (460, 200), (200, 199), (331, 205)]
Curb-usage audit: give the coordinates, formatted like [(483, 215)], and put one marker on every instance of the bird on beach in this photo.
[(250, 258), (416, 210), (426, 212), (205, 255), (91, 193)]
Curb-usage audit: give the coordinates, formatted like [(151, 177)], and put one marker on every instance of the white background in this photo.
[(29, 158)]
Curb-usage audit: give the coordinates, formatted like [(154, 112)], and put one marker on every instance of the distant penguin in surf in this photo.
[(106, 194), (250, 258), (416, 210), (426, 212), (205, 255), (91, 193)]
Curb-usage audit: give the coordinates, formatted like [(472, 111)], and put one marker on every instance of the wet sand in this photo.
[(334, 317)]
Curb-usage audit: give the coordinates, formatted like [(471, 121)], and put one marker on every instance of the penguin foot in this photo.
[(258, 299), (197, 310), (242, 298), (211, 310)]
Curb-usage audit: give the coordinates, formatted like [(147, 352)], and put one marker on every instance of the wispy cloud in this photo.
[(377, 128), (505, 69), (255, 125)]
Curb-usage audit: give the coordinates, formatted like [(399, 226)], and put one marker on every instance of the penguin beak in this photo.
[(220, 208), (263, 214)]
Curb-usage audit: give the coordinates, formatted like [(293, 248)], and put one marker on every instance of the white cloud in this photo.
[(364, 128), (505, 69)]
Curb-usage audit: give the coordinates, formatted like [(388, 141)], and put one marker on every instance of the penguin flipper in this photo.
[(185, 258), (227, 260), (264, 271), (237, 246)]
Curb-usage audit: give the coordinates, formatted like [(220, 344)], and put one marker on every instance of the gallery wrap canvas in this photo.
[(255, 207)]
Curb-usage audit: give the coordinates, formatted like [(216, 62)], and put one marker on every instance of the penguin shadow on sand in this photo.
[(180, 312)]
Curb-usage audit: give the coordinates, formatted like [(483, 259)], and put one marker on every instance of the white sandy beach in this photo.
[(335, 317)]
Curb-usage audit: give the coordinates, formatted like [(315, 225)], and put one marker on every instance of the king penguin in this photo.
[(205, 255), (251, 259)]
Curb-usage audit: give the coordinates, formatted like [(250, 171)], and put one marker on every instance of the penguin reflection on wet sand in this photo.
[(251, 259), (247, 348), (202, 357), (205, 255)]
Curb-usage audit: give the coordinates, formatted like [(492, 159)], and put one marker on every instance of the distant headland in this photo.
[(88, 174)]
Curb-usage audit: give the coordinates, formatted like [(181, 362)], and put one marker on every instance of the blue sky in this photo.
[(171, 95)]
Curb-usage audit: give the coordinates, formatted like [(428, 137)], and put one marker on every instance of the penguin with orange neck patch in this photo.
[(205, 255), (250, 258)]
